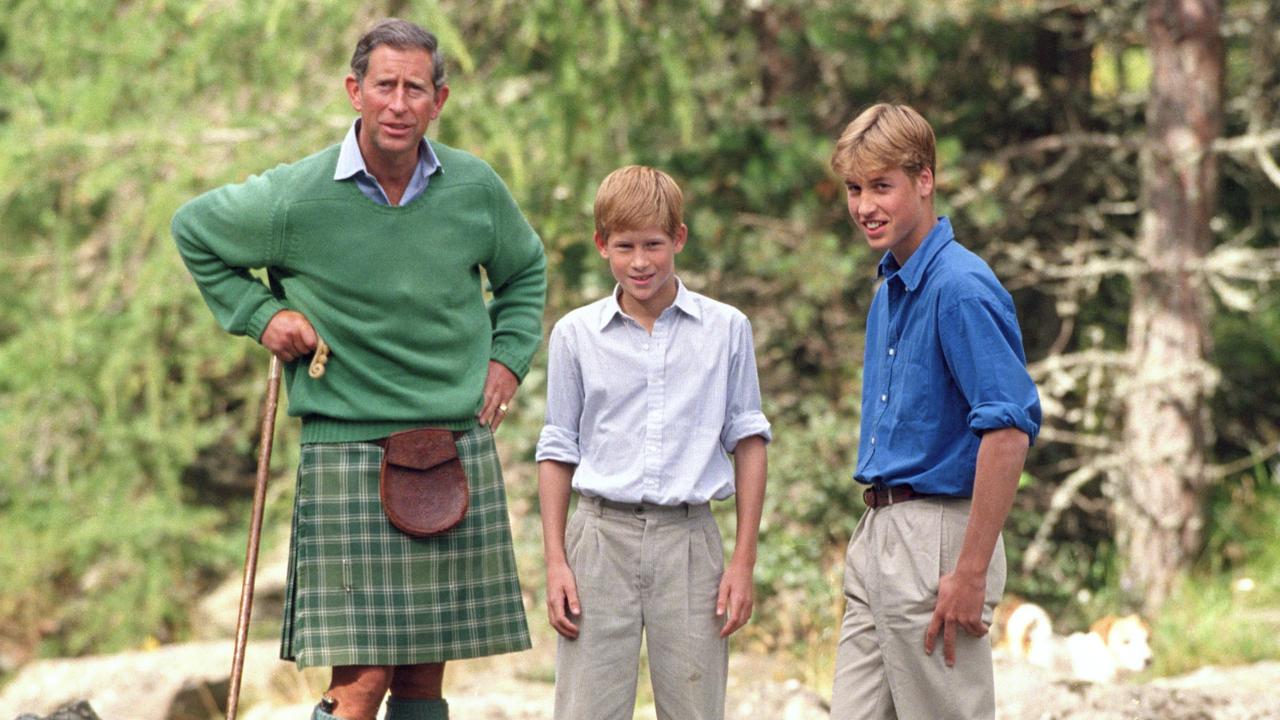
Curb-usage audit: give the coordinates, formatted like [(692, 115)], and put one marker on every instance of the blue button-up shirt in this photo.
[(651, 418), (944, 363), (351, 166)]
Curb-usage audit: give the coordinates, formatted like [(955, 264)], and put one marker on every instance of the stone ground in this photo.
[(188, 682), (1250, 692)]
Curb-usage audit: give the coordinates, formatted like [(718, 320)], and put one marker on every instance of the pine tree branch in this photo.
[(1249, 142), (1218, 473), (1062, 499)]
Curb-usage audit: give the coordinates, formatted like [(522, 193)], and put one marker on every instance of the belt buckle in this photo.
[(876, 496)]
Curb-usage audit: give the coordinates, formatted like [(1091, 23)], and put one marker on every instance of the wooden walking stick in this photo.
[(255, 534)]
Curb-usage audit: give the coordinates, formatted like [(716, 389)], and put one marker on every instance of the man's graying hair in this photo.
[(401, 35)]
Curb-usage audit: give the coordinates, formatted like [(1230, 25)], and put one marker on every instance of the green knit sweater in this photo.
[(395, 291)]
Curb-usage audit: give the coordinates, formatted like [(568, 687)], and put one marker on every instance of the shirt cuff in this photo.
[(997, 416), (559, 444), (744, 426)]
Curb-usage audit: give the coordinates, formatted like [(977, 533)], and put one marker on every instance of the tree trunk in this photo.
[(1167, 433)]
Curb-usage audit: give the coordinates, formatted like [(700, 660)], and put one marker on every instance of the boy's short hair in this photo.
[(884, 137), (636, 197)]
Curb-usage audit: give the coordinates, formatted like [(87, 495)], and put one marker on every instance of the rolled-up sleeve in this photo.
[(559, 438), (983, 347), (743, 417)]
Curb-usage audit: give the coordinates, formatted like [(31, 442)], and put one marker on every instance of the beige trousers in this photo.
[(894, 562), (643, 570)]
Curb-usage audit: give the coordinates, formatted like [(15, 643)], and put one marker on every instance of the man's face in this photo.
[(396, 102), (893, 210)]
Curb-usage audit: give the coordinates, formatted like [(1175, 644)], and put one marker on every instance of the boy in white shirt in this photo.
[(649, 391)]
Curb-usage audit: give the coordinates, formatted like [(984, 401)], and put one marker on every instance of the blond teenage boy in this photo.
[(948, 411), (649, 391)]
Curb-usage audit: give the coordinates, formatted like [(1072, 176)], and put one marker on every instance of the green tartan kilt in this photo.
[(360, 592)]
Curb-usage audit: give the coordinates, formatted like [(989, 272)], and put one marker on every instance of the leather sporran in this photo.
[(422, 483)]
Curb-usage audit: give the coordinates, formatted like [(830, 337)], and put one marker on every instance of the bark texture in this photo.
[(1167, 432)]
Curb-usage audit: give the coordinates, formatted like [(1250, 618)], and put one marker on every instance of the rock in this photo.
[(787, 700), (218, 612), (1244, 693), (295, 711), (169, 683), (78, 710), (181, 682)]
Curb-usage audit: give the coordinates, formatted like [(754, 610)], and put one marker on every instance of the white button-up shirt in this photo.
[(652, 418)]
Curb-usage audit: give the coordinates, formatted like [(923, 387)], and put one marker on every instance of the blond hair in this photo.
[(637, 197), (884, 137)]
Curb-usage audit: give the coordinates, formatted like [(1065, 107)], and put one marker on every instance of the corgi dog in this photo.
[(1024, 632), (1113, 645)]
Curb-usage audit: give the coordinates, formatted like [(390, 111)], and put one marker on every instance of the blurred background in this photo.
[(1113, 160)]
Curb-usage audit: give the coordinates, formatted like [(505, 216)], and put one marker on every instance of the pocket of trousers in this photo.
[(714, 544), (573, 538)]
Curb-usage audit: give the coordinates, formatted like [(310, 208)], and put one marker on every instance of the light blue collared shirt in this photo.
[(652, 418), (351, 165)]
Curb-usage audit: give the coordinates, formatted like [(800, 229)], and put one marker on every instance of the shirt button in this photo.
[(891, 351), (873, 441), (646, 346), (884, 398)]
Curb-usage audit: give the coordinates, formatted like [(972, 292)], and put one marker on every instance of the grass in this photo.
[(1227, 612), (1211, 621)]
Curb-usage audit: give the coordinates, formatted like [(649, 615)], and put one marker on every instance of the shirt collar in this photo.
[(351, 161), (684, 302), (912, 273)]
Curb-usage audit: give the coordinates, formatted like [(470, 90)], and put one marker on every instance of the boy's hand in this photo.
[(736, 591), (562, 599)]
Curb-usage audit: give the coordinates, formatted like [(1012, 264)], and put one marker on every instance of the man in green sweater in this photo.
[(375, 245)]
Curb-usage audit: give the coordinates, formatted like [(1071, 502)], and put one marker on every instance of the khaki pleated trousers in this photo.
[(894, 561), (652, 571)]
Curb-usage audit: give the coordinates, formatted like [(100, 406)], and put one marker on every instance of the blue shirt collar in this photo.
[(912, 273), (684, 302), (351, 161)]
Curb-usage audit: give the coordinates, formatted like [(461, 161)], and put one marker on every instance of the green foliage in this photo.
[(115, 379), (1240, 537), (813, 508)]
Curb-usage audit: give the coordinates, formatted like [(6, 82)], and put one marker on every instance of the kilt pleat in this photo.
[(360, 592)]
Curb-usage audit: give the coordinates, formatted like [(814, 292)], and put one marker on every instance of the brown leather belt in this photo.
[(880, 495)]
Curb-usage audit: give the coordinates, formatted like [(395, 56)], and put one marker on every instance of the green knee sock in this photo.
[(415, 709)]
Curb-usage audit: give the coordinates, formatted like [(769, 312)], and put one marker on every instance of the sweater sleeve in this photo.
[(517, 273), (221, 235)]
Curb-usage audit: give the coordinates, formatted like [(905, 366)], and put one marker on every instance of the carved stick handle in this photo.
[(316, 370)]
